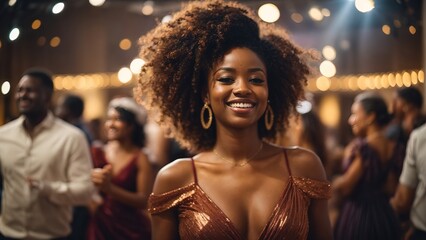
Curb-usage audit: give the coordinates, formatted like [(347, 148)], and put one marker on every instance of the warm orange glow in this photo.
[(386, 29), (329, 110), (414, 79), (323, 83), (297, 17), (36, 24), (421, 76), (54, 42), (406, 79), (391, 80), (125, 44), (412, 29)]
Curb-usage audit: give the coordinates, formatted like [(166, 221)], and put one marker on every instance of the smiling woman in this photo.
[(238, 89), (217, 60), (370, 176), (123, 176)]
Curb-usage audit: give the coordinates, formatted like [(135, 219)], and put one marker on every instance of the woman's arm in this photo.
[(144, 182), (344, 184), (307, 164), (173, 176), (165, 226), (319, 221)]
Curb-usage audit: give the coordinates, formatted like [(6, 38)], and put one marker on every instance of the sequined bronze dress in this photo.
[(201, 218)]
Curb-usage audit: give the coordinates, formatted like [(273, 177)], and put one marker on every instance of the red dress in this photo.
[(116, 220)]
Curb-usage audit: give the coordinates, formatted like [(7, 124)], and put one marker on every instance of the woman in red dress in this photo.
[(123, 176)]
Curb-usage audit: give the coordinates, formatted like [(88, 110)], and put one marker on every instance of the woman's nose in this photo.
[(351, 120), (242, 88)]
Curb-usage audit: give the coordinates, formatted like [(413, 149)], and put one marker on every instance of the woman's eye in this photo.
[(257, 80), (225, 80)]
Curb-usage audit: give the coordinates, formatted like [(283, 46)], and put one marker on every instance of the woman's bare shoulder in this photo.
[(305, 163), (174, 175)]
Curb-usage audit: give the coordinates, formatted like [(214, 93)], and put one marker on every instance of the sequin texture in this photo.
[(200, 218)]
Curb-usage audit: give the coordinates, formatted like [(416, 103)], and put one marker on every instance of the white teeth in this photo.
[(241, 105)]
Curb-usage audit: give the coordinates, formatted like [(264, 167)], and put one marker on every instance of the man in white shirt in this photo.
[(411, 193), (45, 165)]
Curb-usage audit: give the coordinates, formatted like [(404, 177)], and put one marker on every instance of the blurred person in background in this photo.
[(162, 147), (45, 165), (410, 197), (407, 115), (310, 134), (306, 130), (369, 178), (123, 175), (96, 129), (70, 108)]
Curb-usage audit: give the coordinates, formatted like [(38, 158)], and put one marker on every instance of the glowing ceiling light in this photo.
[(315, 14), (325, 12), (166, 19), (136, 65), (14, 34), (304, 107), (125, 75), (55, 41), (329, 52), (36, 24), (386, 29), (297, 17), (5, 88), (125, 44), (269, 12), (364, 5), (327, 69), (412, 29), (12, 2), (148, 8), (57, 8), (97, 3), (323, 83)]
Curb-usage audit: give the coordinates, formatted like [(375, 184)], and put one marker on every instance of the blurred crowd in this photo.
[(374, 174), (226, 147)]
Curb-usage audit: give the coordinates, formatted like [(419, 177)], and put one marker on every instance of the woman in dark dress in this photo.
[(123, 176), (370, 175)]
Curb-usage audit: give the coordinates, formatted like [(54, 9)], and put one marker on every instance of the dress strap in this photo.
[(286, 161), (194, 171)]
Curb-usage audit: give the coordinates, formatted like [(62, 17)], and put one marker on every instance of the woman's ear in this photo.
[(205, 96), (371, 118)]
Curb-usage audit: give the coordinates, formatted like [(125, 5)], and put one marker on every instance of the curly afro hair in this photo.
[(180, 54)]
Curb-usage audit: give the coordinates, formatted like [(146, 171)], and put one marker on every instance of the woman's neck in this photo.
[(373, 133), (122, 145), (237, 144)]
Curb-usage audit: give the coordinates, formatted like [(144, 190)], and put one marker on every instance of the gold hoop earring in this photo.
[(206, 125), (269, 118)]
